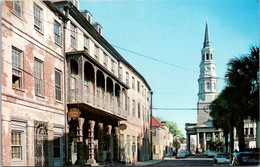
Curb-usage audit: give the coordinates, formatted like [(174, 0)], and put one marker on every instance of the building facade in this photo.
[(250, 135), (33, 115), (68, 96), (162, 140)]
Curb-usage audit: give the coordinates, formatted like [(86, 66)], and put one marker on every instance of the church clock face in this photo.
[(207, 68)]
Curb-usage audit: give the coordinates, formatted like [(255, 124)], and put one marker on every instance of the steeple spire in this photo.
[(206, 39)]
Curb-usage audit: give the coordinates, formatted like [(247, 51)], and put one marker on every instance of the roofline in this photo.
[(100, 39), (54, 8)]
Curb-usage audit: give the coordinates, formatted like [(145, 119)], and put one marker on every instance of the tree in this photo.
[(243, 76), (176, 144), (222, 113), (173, 127)]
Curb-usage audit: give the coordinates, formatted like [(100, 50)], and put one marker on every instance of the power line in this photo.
[(130, 51), (177, 109), (161, 61)]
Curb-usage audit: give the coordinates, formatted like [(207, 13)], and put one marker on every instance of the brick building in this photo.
[(32, 84), (68, 96)]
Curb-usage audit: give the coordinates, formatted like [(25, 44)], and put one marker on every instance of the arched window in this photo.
[(211, 56), (208, 85), (207, 56)]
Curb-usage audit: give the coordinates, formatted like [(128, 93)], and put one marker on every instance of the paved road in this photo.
[(188, 161)]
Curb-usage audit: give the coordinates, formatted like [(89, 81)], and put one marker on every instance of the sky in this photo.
[(173, 31)]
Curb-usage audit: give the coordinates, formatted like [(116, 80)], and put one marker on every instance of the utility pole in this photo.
[(151, 127)]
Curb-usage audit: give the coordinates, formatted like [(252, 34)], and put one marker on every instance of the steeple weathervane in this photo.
[(206, 39)]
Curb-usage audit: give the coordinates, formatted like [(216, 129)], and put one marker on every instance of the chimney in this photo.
[(163, 123), (87, 15), (98, 27)]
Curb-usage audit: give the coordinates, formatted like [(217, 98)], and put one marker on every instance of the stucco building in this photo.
[(162, 140), (68, 96), (32, 84)]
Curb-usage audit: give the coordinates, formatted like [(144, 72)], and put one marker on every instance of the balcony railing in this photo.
[(112, 105)]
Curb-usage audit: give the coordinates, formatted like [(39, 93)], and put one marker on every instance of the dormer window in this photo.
[(97, 27), (87, 15)]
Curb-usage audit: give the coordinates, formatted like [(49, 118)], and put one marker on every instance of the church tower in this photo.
[(207, 80)]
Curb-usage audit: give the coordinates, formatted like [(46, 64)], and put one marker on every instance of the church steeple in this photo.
[(206, 38)]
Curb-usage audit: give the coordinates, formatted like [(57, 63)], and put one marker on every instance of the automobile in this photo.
[(211, 153), (205, 152), (181, 154), (222, 159), (245, 159)]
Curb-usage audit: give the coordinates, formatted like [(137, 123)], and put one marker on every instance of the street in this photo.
[(188, 161)]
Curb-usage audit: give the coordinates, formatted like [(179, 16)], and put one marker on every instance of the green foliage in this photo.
[(240, 99), (173, 127)]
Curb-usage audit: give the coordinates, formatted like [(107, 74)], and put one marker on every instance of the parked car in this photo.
[(181, 154), (222, 159), (246, 159), (211, 153), (205, 152)]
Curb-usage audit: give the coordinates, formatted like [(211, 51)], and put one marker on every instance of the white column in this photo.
[(204, 141)]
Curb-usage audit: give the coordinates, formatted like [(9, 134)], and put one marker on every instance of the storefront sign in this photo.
[(122, 126), (74, 113)]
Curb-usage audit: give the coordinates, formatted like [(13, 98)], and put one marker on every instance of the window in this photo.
[(133, 83), (246, 131), (38, 74), (105, 59), (142, 90), (58, 85), (128, 145), (207, 58), (18, 143), (37, 17), (154, 132), (133, 108), (86, 43), (251, 131), (139, 112), (127, 78), (73, 36), (201, 87), (96, 53), (211, 56), (120, 73), (128, 105), (208, 85), (89, 18), (17, 8), (57, 33), (138, 86), (17, 73), (112, 66)]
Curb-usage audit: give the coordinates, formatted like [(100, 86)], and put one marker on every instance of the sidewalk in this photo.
[(145, 163)]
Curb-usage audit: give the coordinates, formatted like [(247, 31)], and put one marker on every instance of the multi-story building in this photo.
[(68, 96), (250, 135), (162, 140), (110, 97), (33, 104)]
